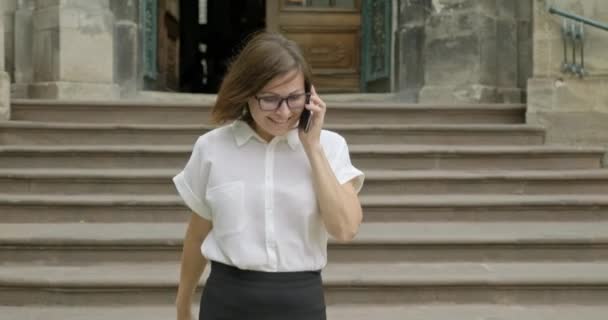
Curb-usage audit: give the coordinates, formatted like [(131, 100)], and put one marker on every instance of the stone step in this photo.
[(366, 157), (23, 208), (377, 182), (409, 311), (355, 283), (198, 113), (38, 133), (395, 242)]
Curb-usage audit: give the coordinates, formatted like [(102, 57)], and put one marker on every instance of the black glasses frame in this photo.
[(286, 99)]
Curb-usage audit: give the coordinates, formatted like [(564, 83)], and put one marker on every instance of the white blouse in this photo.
[(260, 197)]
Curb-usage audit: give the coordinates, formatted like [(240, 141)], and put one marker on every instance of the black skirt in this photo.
[(234, 294)]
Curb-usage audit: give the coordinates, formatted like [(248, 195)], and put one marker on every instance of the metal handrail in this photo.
[(578, 18), (573, 34)]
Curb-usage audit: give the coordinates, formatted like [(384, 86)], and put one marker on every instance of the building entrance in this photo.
[(211, 33), (197, 39)]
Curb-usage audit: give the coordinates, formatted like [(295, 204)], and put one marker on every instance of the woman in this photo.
[(265, 194)]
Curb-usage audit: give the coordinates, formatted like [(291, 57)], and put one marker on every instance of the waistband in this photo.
[(224, 270)]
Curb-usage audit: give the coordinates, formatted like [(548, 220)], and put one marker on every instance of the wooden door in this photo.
[(328, 31)]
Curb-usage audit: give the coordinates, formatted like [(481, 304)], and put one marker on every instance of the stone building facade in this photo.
[(446, 51)]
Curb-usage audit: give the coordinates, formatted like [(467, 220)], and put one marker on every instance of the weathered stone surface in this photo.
[(524, 53), (46, 55), (509, 95), (2, 49), (87, 20), (488, 52), (125, 9), (572, 110), (73, 3), (86, 57), (567, 95), (548, 57), (574, 128), (452, 24), (73, 90), (126, 54), (7, 11), (73, 42), (410, 46), (506, 54), (412, 12), (455, 94), (472, 48), (410, 76), (524, 10), (452, 61), (5, 87), (24, 72), (20, 91), (506, 9), (5, 82)]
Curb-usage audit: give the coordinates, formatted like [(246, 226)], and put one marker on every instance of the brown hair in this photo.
[(265, 56)]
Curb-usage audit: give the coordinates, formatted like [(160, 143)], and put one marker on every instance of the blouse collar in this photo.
[(243, 132)]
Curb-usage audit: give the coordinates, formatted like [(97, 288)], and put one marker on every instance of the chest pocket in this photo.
[(227, 208)]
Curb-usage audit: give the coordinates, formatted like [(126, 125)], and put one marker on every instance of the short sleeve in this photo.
[(344, 169), (191, 182)]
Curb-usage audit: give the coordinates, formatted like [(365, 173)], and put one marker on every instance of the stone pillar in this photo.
[(5, 82), (524, 44), (24, 71), (409, 47), (73, 50), (8, 7), (573, 110), (507, 44), (471, 52), (126, 50)]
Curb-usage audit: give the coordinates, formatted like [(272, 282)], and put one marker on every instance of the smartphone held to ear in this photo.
[(306, 116)]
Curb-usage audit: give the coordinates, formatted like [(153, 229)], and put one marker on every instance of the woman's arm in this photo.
[(339, 204), (192, 264)]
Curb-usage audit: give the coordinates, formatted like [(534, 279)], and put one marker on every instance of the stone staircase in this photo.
[(468, 215)]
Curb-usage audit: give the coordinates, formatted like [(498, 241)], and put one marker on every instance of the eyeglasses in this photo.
[(273, 102)]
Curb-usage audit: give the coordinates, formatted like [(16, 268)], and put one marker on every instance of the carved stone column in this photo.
[(5, 82), (409, 46), (73, 50), (471, 52), (8, 7), (24, 71), (126, 52)]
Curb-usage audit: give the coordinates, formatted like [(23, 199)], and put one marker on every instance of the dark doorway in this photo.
[(206, 48)]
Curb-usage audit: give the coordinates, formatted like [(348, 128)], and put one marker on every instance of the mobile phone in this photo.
[(306, 116)]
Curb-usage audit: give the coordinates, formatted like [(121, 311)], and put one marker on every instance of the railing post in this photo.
[(573, 29)]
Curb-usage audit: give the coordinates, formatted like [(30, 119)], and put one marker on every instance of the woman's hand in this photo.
[(312, 138)]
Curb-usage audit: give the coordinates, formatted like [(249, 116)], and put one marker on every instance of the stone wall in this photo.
[(573, 110)]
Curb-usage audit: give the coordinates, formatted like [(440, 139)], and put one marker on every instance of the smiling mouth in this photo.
[(277, 122)]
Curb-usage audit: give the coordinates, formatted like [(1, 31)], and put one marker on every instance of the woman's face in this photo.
[(278, 122)]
